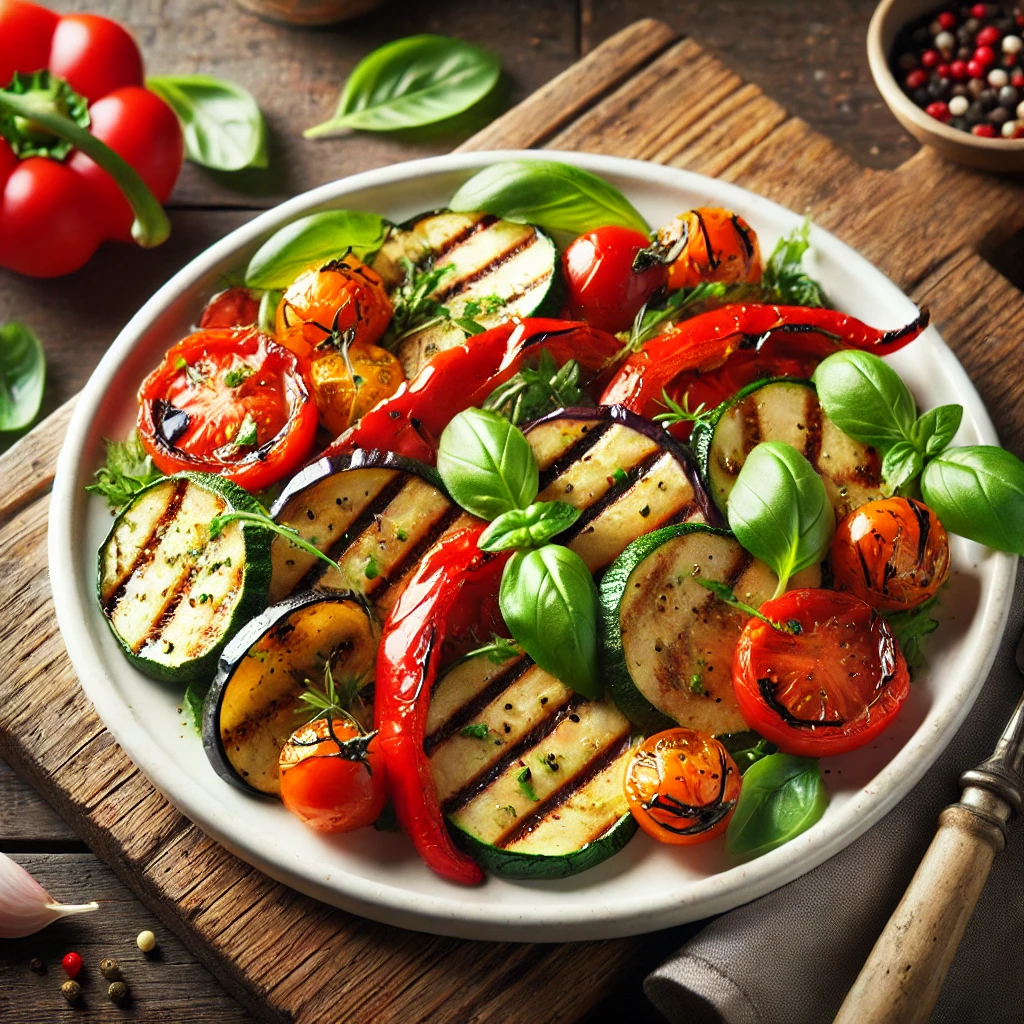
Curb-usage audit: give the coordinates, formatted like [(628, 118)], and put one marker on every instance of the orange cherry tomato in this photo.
[(351, 381), (714, 245), (332, 776), (682, 786), (830, 686), (892, 553), (343, 296)]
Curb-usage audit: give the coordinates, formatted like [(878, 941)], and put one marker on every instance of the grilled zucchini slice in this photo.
[(783, 409), (172, 595), (668, 642), (253, 705)]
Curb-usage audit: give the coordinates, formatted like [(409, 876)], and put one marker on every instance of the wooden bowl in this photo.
[(309, 13), (1006, 155)]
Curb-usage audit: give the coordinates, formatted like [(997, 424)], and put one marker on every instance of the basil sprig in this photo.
[(779, 511), (552, 195), (782, 796), (223, 125), (316, 238), (547, 596), (412, 82), (22, 376)]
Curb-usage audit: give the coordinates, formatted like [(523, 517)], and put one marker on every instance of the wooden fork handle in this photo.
[(904, 973)]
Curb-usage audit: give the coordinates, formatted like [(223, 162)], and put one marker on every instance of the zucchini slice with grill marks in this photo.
[(784, 409), (171, 594), (667, 641), (499, 269), (253, 705)]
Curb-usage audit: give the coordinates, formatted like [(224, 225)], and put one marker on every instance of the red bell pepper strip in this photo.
[(709, 357), (407, 665), (411, 420), (86, 153)]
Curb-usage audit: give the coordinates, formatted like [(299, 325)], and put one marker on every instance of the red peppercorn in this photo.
[(987, 36), (975, 69), (979, 11), (939, 111), (72, 964), (947, 19), (1020, 21), (916, 79), (942, 71), (929, 58), (1017, 79), (958, 69), (985, 131), (985, 56)]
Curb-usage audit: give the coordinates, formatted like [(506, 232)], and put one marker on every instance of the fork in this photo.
[(904, 973)]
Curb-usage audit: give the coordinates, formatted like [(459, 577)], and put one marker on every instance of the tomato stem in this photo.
[(151, 226)]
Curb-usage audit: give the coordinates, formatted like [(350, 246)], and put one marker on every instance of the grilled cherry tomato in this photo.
[(350, 381), (682, 786), (830, 684), (893, 553), (345, 298), (228, 401), (233, 307), (604, 289), (331, 775), (709, 244)]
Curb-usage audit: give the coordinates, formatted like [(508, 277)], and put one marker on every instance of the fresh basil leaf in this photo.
[(549, 603), (865, 398), (911, 627), (935, 429), (487, 464), (412, 82), (22, 376), (552, 195), (779, 511), (192, 703), (317, 238), (901, 464), (129, 468), (782, 796), (529, 527), (785, 279), (223, 125), (978, 492), (746, 748)]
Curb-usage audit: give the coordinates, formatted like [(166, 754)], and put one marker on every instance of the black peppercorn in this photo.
[(71, 991), (109, 969), (975, 114), (939, 90), (118, 992), (999, 116), (921, 97), (1009, 97), (37, 965)]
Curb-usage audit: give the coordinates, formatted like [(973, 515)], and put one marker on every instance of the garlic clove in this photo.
[(25, 906)]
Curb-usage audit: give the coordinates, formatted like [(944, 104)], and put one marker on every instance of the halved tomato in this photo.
[(231, 402), (829, 683)]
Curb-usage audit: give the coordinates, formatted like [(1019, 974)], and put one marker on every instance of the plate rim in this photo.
[(393, 904)]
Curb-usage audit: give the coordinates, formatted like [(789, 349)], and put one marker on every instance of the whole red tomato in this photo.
[(604, 289)]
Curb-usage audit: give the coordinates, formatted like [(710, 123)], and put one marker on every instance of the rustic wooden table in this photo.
[(808, 56)]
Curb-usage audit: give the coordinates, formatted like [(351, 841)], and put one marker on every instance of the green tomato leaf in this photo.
[(412, 82), (782, 796), (487, 464), (223, 125), (549, 603), (554, 196), (779, 511), (978, 492), (935, 429), (529, 527), (317, 238), (865, 398), (902, 463), (22, 376)]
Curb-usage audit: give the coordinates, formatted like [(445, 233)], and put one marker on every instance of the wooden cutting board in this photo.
[(646, 94)]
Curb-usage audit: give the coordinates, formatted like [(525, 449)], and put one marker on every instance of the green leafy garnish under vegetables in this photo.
[(413, 302), (649, 323), (784, 280), (22, 376), (128, 470), (536, 390), (192, 703), (910, 629)]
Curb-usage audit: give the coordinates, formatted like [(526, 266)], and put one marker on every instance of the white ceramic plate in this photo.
[(647, 886)]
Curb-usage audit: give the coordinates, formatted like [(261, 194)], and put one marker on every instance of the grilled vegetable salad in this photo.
[(521, 542)]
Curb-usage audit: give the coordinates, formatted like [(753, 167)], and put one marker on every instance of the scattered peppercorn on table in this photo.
[(823, 78)]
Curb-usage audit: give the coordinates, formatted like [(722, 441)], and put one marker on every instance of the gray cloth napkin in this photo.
[(791, 956)]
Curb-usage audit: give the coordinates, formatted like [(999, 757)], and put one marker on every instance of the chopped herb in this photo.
[(180, 363), (536, 390), (697, 685), (372, 570), (785, 279), (523, 778), (246, 432), (401, 535), (649, 323), (510, 811), (476, 731), (619, 476), (203, 598), (680, 413), (128, 470), (486, 304), (468, 325), (413, 302), (498, 651), (236, 376), (336, 695)]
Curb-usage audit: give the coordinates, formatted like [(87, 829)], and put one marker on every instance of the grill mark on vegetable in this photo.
[(924, 525), (574, 453), (590, 771), (463, 715), (744, 237), (812, 420), (483, 780), (147, 551), (683, 515), (456, 287), (713, 261), (750, 430), (457, 239)]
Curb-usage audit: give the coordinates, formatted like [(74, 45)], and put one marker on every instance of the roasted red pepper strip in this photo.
[(411, 420), (711, 356), (407, 665)]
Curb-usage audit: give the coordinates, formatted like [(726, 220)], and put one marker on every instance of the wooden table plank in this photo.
[(27, 822)]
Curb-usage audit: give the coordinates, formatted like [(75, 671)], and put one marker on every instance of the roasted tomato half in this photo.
[(350, 380), (228, 401), (894, 554), (682, 786), (828, 677), (233, 307), (709, 244), (332, 776)]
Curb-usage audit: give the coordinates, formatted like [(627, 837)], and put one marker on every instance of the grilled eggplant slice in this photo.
[(253, 705), (667, 641), (783, 409), (172, 595), (499, 269)]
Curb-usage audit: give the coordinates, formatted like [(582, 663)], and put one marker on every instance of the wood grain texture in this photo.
[(25, 818), (286, 956)]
